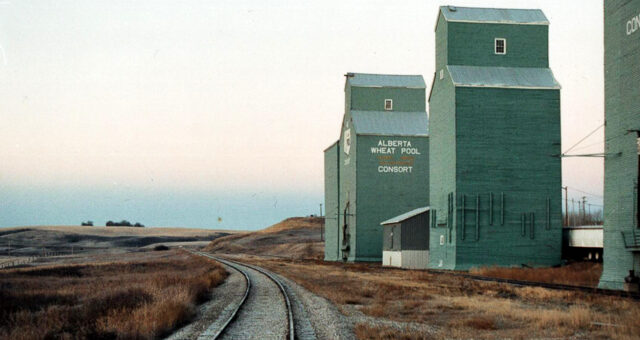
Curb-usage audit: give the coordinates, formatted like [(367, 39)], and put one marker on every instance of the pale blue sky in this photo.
[(156, 111)]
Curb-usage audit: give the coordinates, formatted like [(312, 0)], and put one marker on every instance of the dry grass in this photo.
[(296, 237), (295, 223), (459, 307), (364, 331), (579, 273), (139, 299)]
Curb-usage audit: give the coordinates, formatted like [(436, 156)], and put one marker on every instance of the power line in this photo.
[(584, 192), (587, 136)]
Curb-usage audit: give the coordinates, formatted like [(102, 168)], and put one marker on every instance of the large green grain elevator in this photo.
[(622, 148), (379, 168), (495, 174)]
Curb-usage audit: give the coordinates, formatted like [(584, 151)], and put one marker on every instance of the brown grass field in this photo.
[(459, 307), (578, 274), (140, 296)]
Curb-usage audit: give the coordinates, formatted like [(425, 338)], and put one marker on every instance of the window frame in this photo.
[(390, 101), (495, 46)]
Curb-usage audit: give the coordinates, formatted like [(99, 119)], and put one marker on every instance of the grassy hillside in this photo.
[(28, 241), (296, 237)]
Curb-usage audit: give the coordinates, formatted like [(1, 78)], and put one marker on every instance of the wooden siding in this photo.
[(372, 99), (331, 199), (473, 44), (495, 174), (442, 170), (622, 113), (383, 195), (507, 147)]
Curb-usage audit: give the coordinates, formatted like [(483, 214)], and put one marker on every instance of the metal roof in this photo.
[(405, 216), (494, 15), (503, 77), (390, 123), (385, 80)]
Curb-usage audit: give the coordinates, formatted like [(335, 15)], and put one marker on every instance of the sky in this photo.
[(214, 114)]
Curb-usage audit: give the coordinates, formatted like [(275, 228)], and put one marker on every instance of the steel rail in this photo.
[(522, 283), (287, 300), (236, 265)]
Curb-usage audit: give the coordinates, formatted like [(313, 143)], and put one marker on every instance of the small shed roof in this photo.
[(494, 15), (385, 80), (503, 77), (405, 216), (394, 123)]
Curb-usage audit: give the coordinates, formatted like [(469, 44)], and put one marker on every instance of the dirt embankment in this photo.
[(296, 237)]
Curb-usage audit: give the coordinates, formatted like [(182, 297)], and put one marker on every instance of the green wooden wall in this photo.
[(348, 193), (383, 195), (355, 179), (442, 171), (622, 114), (507, 142), (460, 43), (372, 99), (495, 174), (331, 199)]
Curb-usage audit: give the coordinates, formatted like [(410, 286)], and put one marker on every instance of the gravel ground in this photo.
[(324, 317), (263, 314), (355, 316), (212, 314)]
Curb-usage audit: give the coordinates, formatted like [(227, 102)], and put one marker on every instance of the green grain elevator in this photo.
[(379, 168), (495, 174), (622, 147)]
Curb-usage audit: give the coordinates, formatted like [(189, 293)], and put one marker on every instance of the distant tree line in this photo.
[(87, 224), (124, 223)]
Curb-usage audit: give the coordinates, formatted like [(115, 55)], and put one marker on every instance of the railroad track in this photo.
[(555, 286), (254, 307)]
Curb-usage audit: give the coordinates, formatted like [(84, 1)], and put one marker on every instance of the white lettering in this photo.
[(409, 151), (395, 169), (633, 24), (395, 143), (383, 150)]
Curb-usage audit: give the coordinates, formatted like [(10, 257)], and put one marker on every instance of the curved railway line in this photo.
[(241, 307)]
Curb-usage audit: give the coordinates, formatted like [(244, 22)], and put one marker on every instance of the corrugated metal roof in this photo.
[(388, 123), (405, 216), (385, 80), (503, 77), (494, 15)]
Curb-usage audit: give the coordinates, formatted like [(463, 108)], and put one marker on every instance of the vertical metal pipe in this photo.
[(463, 215), (477, 217), (490, 208), (450, 216), (502, 208), (448, 209), (533, 225), (548, 213)]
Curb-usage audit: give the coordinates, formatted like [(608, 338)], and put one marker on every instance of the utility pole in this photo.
[(566, 205), (320, 209), (573, 208), (584, 211)]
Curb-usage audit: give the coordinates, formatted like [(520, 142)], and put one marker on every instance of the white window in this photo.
[(388, 104), (501, 46)]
